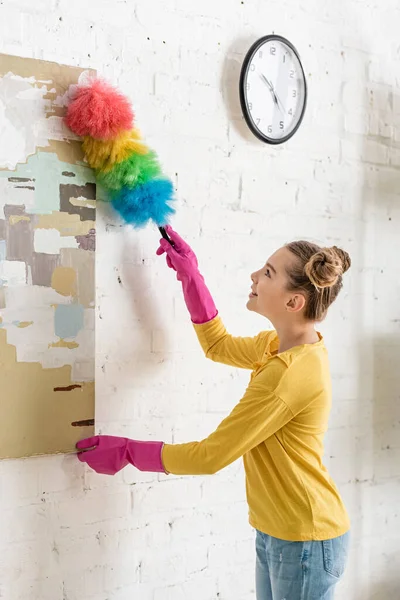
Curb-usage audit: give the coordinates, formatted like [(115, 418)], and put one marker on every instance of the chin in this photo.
[(250, 305)]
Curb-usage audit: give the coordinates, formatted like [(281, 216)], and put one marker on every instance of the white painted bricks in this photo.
[(69, 534)]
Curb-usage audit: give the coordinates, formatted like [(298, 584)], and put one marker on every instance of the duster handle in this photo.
[(166, 236)]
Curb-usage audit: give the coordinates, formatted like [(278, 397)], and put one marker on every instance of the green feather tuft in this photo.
[(135, 170)]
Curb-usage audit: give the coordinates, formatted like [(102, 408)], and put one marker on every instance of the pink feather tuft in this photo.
[(99, 110)]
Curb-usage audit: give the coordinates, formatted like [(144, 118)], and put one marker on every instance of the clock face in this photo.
[(273, 89)]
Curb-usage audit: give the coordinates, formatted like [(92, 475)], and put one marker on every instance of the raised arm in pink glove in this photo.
[(110, 454), (182, 259)]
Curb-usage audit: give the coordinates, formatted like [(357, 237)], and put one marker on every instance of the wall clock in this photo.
[(273, 89)]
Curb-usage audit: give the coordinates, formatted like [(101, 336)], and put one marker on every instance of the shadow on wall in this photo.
[(381, 211), (145, 308), (385, 589), (385, 487), (230, 87), (132, 341)]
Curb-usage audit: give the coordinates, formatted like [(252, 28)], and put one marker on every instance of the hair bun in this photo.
[(344, 258), (326, 266)]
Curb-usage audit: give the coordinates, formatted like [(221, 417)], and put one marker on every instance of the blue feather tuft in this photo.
[(147, 202)]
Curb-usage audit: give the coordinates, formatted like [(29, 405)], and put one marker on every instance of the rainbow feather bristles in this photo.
[(128, 170)]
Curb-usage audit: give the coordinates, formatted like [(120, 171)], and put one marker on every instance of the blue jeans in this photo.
[(299, 570)]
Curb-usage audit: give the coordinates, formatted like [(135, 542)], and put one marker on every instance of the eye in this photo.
[(268, 273)]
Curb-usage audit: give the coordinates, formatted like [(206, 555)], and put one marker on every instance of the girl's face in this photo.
[(270, 295)]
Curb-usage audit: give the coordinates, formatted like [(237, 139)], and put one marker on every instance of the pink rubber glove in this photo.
[(182, 259), (110, 454)]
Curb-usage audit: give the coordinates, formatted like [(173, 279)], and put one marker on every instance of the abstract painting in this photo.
[(47, 264)]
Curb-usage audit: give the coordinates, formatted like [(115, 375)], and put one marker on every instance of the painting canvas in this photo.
[(47, 264)]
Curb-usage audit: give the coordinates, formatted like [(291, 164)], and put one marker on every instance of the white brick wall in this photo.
[(68, 534)]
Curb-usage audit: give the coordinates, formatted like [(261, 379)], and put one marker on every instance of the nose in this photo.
[(253, 277)]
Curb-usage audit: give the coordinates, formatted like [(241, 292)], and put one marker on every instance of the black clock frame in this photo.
[(250, 123)]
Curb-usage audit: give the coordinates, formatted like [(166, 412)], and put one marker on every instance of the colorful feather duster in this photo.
[(128, 170)]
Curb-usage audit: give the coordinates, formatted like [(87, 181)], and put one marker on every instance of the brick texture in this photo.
[(68, 534)]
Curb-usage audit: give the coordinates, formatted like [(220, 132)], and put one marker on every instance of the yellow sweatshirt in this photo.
[(278, 428)]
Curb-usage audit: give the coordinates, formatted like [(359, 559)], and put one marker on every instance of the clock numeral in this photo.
[(290, 111), (291, 74), (260, 54), (247, 86), (250, 105), (252, 67), (272, 50), (284, 58), (294, 93), (269, 128), (258, 121), (281, 125)]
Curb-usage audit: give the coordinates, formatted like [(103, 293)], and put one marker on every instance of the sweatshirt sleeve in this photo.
[(219, 346), (254, 419)]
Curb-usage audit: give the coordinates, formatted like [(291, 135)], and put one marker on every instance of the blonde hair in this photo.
[(318, 273)]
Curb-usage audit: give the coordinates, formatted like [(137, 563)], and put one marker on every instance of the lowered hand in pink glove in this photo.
[(182, 259), (109, 454)]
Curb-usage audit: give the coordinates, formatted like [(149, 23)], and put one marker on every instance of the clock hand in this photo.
[(278, 102), (281, 103), (269, 84), (271, 88)]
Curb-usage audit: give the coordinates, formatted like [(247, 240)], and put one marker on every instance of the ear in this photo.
[(296, 303)]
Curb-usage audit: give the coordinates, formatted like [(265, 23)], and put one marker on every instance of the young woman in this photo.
[(277, 427)]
